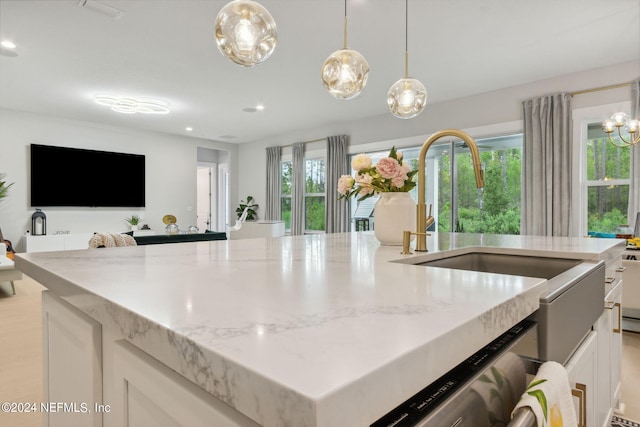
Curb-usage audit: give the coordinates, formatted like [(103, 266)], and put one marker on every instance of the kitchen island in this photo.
[(318, 330)]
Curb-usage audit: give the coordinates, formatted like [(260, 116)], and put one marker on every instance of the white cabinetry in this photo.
[(56, 242), (154, 395), (92, 377), (581, 369), (72, 357), (631, 300), (609, 330)]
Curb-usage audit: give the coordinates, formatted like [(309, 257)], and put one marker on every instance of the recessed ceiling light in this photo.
[(188, 128), (8, 44), (130, 105), (257, 108)]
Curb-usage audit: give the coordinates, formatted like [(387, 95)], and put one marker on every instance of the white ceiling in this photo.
[(165, 49)]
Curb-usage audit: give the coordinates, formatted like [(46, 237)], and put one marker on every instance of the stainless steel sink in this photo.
[(572, 304), (517, 265)]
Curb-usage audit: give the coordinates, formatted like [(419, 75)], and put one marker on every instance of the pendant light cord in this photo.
[(345, 24), (406, 39)]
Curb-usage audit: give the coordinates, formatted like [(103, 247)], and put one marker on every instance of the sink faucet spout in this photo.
[(422, 218)]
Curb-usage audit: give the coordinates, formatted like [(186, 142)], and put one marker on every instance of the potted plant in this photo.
[(133, 222), (4, 187), (251, 209)]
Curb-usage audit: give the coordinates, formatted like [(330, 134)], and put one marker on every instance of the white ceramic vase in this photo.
[(394, 213)]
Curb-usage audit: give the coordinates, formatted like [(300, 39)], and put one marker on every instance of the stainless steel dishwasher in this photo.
[(480, 392)]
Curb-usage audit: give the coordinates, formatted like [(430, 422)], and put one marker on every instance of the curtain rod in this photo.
[(304, 142), (598, 89)]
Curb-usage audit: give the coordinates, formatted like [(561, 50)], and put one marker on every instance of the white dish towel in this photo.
[(549, 397)]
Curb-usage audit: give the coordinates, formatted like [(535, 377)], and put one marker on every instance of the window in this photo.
[(460, 206), (464, 208), (286, 172), (607, 182), (314, 195)]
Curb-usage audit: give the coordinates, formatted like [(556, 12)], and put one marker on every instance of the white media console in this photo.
[(54, 242)]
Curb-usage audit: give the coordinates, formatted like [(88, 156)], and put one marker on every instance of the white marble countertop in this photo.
[(319, 330)]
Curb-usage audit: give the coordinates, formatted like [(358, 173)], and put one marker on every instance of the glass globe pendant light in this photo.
[(345, 71), (245, 32), (407, 97)]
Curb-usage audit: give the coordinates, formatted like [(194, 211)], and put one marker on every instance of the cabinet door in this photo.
[(72, 357), (147, 393), (581, 369), (614, 300), (603, 393), (44, 243)]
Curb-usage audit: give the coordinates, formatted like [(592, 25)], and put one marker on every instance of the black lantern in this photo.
[(38, 223)]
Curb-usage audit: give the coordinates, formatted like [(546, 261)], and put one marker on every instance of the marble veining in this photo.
[(321, 330)]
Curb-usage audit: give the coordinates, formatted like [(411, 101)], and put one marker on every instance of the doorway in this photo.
[(212, 189)]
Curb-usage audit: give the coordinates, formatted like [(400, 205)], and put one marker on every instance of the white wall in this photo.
[(171, 163), (480, 111)]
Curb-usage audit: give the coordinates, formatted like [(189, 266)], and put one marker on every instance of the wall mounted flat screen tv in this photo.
[(62, 176)]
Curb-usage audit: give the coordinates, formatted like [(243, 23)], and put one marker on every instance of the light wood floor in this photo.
[(21, 356)]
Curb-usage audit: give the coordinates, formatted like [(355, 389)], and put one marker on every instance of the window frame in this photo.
[(284, 196), (432, 195), (582, 117), (323, 194), (316, 154)]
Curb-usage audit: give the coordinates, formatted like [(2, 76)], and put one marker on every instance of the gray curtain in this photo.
[(297, 189), (272, 211), (337, 211), (634, 187), (546, 176)]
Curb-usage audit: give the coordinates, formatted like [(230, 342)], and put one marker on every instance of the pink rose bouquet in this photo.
[(390, 174)]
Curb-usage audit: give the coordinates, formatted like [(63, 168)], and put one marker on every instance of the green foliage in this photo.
[(314, 213), (498, 209), (607, 204), (607, 222), (251, 212), (133, 219), (4, 187), (287, 176)]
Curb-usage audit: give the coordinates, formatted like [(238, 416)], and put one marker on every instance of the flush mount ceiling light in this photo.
[(345, 71), (621, 121), (129, 105), (406, 97), (246, 32)]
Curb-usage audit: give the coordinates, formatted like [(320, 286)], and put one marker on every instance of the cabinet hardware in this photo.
[(581, 393), (619, 328)]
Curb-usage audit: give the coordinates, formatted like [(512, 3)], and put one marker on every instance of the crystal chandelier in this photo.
[(407, 97), (345, 71), (246, 32), (621, 121)]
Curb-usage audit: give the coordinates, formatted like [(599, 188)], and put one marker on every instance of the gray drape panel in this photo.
[(337, 211), (297, 189), (634, 187), (546, 184), (272, 211)]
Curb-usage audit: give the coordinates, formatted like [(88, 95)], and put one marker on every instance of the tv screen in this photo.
[(63, 176)]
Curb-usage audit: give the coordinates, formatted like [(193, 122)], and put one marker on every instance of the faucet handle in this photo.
[(406, 241)]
